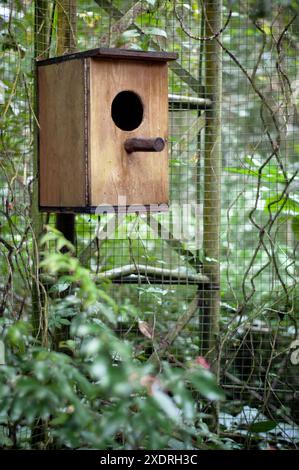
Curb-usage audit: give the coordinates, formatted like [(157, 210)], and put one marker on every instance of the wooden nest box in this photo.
[(103, 131)]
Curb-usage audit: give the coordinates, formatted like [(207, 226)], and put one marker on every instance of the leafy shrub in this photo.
[(97, 395)]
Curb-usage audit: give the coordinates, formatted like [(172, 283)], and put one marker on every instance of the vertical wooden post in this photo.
[(66, 26), (39, 315), (66, 43), (212, 183), (199, 161), (199, 135), (41, 42)]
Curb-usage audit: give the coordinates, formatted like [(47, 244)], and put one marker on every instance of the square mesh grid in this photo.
[(258, 234)]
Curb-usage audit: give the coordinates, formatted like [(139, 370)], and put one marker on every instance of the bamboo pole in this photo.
[(212, 186)]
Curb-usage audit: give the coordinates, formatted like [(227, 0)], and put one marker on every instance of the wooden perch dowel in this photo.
[(142, 144)]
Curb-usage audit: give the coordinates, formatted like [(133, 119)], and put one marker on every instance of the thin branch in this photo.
[(146, 270), (171, 336), (201, 38)]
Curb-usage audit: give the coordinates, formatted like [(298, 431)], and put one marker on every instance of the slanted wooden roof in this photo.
[(113, 53)]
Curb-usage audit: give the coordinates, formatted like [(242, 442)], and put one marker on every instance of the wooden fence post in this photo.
[(66, 43), (41, 43), (212, 183)]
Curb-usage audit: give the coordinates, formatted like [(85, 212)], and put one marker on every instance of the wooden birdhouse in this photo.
[(103, 130)]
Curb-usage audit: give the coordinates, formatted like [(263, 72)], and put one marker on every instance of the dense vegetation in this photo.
[(94, 371)]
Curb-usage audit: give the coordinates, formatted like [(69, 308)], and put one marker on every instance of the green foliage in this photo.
[(101, 394), (268, 195), (96, 389)]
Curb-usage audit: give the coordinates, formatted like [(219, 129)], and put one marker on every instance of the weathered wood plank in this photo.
[(61, 135), (142, 178)]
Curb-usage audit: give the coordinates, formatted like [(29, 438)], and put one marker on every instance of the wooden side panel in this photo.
[(61, 136), (140, 177)]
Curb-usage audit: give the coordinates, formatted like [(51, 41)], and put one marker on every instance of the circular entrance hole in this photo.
[(127, 110)]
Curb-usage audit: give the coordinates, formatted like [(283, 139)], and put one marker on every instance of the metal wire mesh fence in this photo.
[(214, 276)]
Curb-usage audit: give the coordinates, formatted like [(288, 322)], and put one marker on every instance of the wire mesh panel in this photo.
[(16, 159), (212, 279), (260, 170)]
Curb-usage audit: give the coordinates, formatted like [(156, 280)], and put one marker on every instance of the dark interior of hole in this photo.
[(127, 110)]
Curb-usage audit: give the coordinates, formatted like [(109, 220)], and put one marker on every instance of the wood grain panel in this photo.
[(141, 177), (61, 135)]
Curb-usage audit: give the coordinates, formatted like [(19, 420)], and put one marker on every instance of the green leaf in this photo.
[(295, 226), (131, 33), (53, 235), (5, 441), (262, 426), (60, 420), (60, 287), (177, 162), (251, 165), (17, 335), (166, 404), (68, 344), (286, 205), (152, 31), (64, 321), (205, 383), (126, 37)]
